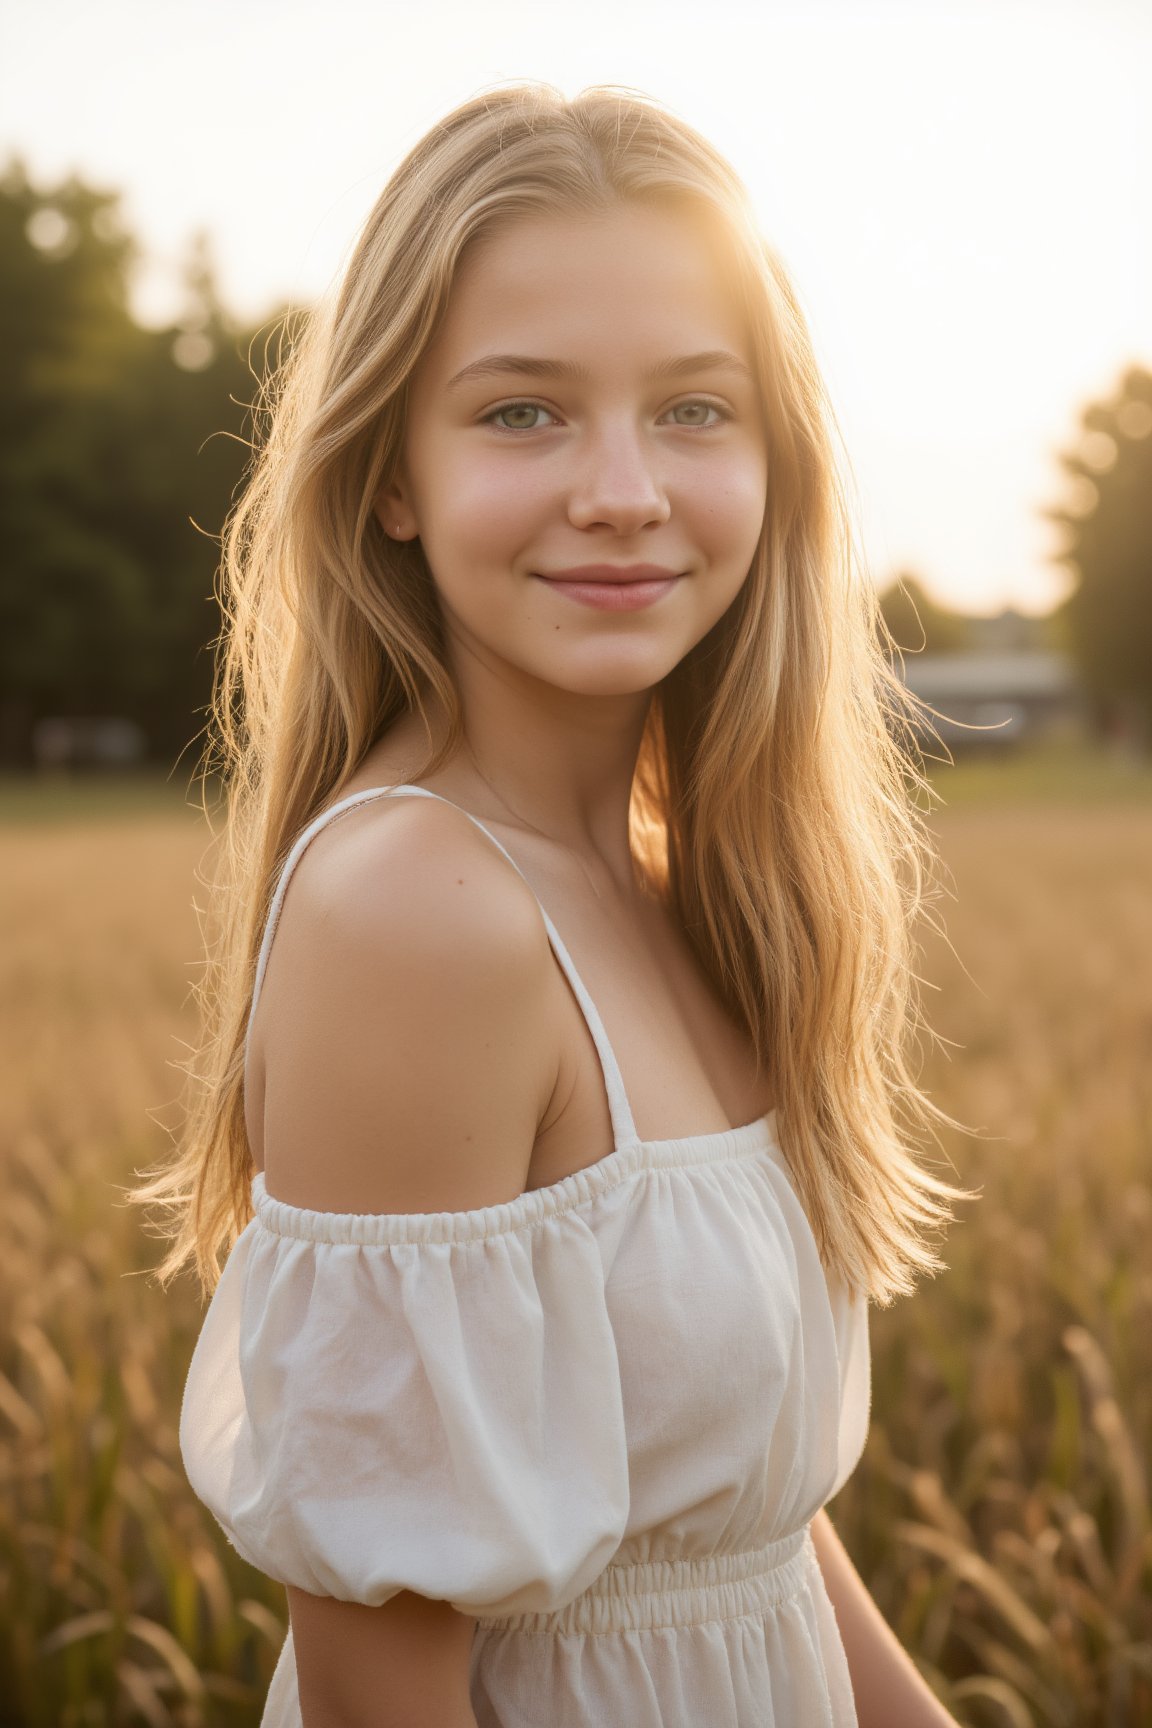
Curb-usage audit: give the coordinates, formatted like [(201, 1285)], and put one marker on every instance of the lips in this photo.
[(610, 574), (615, 593)]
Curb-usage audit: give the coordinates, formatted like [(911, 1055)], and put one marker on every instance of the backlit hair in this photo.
[(773, 804)]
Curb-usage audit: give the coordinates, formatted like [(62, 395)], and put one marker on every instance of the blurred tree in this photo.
[(67, 589), (172, 462), (917, 622), (1107, 516), (116, 470)]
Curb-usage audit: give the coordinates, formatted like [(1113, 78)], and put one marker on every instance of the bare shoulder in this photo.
[(409, 1039)]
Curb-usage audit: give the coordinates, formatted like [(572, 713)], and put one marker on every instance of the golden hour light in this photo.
[(575, 843)]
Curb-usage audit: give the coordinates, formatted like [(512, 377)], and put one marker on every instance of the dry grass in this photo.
[(119, 1600), (1000, 1513)]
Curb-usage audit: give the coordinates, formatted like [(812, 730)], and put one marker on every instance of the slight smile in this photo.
[(616, 593)]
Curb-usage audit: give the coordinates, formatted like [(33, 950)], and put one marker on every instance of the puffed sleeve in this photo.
[(854, 1356), (425, 1402)]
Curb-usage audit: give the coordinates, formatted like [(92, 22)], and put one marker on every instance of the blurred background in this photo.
[(960, 193)]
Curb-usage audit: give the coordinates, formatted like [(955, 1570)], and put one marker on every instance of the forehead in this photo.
[(625, 283)]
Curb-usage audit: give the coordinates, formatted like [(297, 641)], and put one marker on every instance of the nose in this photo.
[(618, 484)]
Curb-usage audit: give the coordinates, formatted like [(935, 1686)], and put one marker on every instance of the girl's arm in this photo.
[(404, 1665), (414, 1056), (890, 1690)]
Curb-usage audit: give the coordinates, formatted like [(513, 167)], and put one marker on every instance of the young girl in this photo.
[(563, 1134)]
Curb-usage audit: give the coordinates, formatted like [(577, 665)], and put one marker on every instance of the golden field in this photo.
[(1000, 1514)]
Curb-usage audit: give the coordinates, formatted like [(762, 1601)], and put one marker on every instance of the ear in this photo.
[(394, 512)]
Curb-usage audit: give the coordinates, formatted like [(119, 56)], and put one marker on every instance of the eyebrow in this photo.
[(712, 360)]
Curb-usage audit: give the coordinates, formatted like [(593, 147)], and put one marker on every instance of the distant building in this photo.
[(1007, 631), (992, 698)]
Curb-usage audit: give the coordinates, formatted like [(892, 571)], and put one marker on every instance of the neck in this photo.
[(561, 764)]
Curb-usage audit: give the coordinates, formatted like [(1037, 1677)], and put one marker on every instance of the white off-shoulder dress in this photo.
[(598, 1417)]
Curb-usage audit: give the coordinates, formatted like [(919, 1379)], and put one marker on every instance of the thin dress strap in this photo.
[(623, 1128)]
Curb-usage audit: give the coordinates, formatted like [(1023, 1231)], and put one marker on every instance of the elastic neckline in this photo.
[(526, 1210), (630, 1154)]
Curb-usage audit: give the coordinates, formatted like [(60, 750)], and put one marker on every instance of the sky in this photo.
[(958, 191)]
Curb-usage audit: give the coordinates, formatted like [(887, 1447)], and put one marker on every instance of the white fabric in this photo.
[(599, 1417)]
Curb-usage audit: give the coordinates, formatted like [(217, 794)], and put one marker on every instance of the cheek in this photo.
[(727, 502), (485, 503)]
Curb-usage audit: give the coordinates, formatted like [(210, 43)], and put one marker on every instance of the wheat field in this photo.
[(1000, 1513)]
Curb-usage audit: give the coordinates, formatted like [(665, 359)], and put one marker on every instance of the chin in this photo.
[(617, 680)]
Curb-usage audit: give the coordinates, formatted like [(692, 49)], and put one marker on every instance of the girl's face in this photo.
[(589, 399)]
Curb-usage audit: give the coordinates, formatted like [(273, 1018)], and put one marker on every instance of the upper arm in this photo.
[(410, 1045), (409, 1056), (405, 1665)]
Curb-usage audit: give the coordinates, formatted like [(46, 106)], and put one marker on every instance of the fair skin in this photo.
[(623, 457), (615, 466)]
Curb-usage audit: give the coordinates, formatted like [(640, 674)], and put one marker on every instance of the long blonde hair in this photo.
[(773, 801)]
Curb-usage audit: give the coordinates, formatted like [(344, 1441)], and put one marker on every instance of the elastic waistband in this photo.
[(654, 1593)]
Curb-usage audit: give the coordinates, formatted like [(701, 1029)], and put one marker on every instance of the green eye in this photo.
[(700, 408), (514, 408)]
